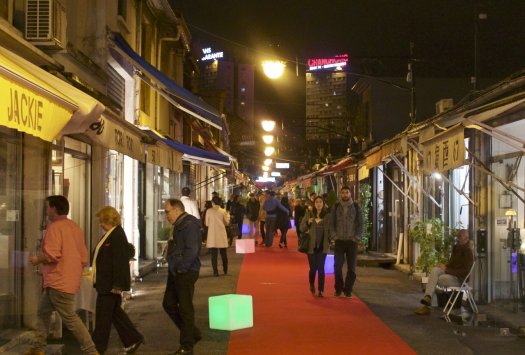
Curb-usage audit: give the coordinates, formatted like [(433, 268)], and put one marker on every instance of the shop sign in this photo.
[(373, 159), (165, 157), (445, 151), (362, 173), (115, 136), (29, 112)]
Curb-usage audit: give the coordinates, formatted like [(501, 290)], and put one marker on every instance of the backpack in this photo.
[(131, 251)]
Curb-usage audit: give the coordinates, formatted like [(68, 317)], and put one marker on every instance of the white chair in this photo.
[(459, 290)]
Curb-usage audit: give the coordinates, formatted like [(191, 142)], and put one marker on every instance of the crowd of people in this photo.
[(63, 257)]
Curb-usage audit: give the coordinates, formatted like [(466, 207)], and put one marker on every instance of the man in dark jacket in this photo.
[(347, 229), (184, 266), (451, 274), (252, 212)]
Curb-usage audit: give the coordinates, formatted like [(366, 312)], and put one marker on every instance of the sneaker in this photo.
[(320, 294), (422, 311), (426, 300), (312, 289), (348, 295), (337, 294)]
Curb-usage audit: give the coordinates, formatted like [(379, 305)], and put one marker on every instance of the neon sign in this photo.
[(209, 55), (337, 62)]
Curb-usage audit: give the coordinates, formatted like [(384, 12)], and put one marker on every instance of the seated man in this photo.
[(451, 274)]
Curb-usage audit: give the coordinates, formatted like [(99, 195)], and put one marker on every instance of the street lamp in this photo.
[(268, 151), (268, 139), (268, 125), (268, 162), (273, 68)]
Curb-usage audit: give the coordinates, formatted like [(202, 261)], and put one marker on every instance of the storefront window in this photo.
[(114, 184), (10, 256)]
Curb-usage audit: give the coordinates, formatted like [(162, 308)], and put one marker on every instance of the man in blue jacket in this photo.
[(184, 266), (271, 205)]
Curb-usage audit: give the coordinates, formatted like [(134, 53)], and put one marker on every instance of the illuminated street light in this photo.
[(265, 168), (265, 174), (273, 68), (268, 162), (268, 139), (268, 125), (268, 151)]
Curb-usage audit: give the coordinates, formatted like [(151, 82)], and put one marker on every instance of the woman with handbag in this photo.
[(316, 226), (217, 241)]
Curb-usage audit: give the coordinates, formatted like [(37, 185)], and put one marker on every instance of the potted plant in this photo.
[(435, 243)]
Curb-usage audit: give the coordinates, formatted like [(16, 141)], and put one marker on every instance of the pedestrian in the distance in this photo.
[(217, 240), (237, 211), (183, 272), (63, 256), (316, 223), (252, 213), (262, 219), (111, 276), (298, 214), (190, 205), (283, 221), (346, 229)]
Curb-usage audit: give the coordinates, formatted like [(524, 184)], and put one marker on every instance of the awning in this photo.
[(167, 87), (38, 103), (189, 153), (340, 165), (118, 134)]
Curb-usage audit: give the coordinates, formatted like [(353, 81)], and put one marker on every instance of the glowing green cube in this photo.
[(230, 312)]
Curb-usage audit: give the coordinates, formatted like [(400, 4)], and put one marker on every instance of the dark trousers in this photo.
[(345, 249), (224, 258), (316, 262), (283, 236), (178, 304), (262, 229), (239, 224), (108, 311), (271, 225)]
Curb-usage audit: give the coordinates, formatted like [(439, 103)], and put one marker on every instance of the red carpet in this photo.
[(287, 319)]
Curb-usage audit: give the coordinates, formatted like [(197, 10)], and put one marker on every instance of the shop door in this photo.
[(11, 259)]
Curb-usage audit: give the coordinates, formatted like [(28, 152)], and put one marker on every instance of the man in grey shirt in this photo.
[(347, 229)]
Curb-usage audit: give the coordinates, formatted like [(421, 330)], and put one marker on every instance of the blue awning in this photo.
[(167, 87), (190, 153)]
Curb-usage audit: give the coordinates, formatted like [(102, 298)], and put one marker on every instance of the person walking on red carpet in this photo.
[(271, 205), (217, 241), (316, 223), (346, 230)]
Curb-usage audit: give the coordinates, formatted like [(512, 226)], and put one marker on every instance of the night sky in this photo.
[(375, 33)]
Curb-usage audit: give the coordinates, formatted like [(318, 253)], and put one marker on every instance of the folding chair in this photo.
[(457, 291)]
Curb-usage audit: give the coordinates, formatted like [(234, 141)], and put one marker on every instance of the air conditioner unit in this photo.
[(46, 23), (444, 105)]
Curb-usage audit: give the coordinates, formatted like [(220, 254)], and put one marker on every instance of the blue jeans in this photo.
[(345, 249), (316, 262), (64, 303)]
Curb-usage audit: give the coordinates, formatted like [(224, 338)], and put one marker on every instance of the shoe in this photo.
[(312, 290), (337, 294), (348, 295), (183, 351), (216, 274), (422, 311), (426, 300), (320, 294), (131, 349), (280, 245), (225, 272), (34, 352)]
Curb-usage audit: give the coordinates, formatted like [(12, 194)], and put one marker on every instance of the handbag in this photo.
[(304, 241)]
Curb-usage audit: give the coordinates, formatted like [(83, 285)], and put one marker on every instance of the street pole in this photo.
[(411, 80)]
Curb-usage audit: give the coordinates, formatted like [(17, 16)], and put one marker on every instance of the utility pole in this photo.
[(477, 17), (411, 80)]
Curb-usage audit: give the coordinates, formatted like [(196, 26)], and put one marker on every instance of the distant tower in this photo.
[(327, 105)]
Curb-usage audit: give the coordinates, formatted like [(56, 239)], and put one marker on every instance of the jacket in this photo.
[(216, 221), (460, 261), (252, 209), (113, 263), (349, 226), (311, 229), (184, 248)]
